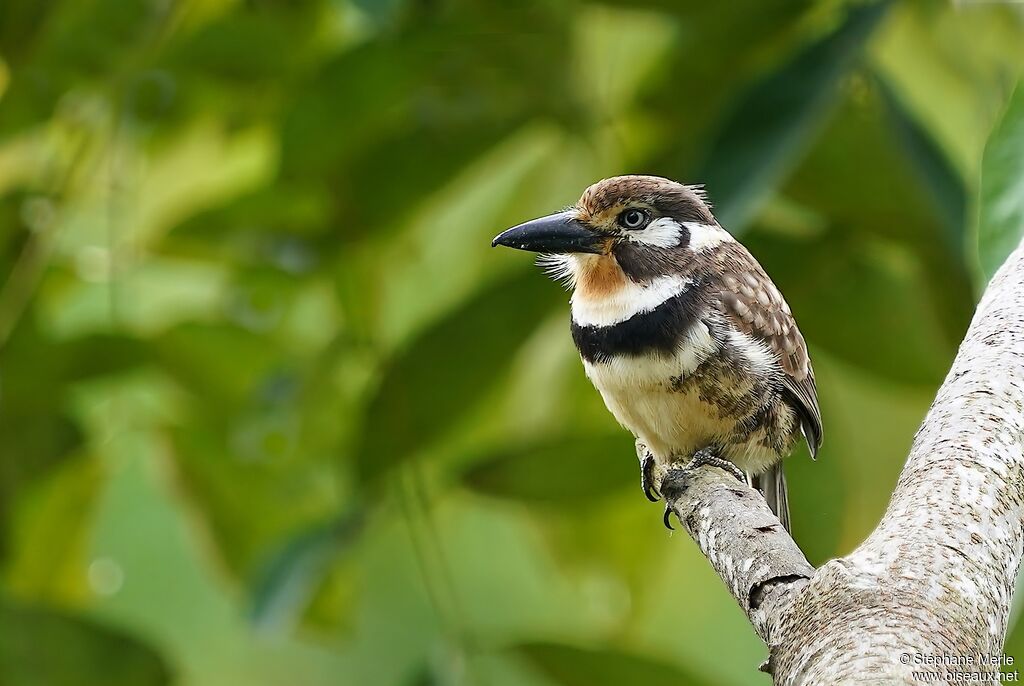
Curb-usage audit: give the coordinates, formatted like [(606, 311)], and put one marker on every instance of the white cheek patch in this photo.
[(662, 233), (630, 300), (706, 236), (666, 232)]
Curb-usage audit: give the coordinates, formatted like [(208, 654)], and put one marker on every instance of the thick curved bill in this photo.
[(555, 233)]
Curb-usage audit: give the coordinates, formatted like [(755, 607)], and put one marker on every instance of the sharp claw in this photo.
[(665, 518), (646, 479)]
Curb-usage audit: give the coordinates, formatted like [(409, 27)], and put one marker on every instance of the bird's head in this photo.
[(645, 226)]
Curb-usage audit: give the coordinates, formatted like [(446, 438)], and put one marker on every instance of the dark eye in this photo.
[(633, 219)]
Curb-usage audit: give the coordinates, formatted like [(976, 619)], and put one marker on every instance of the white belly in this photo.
[(672, 422), (638, 392)]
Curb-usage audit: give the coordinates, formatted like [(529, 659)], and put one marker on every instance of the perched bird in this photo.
[(690, 344)]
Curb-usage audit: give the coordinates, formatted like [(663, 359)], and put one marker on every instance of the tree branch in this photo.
[(741, 537), (930, 588)]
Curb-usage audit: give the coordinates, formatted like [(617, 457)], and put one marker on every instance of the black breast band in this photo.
[(658, 330)]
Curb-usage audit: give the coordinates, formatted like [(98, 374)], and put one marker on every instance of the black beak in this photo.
[(556, 233)]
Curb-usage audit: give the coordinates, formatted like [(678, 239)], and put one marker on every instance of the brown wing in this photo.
[(756, 307)]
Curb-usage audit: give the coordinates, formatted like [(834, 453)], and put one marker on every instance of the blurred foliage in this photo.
[(1002, 187), (274, 412), (580, 667), (87, 651)]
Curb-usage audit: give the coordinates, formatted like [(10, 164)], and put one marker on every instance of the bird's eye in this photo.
[(633, 219)]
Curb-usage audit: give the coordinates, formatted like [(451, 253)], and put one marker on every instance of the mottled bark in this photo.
[(932, 584)]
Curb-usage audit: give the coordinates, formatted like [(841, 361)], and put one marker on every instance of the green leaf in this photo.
[(194, 355), (847, 286), (229, 471), (572, 666), (99, 355), (773, 121), (276, 226), (20, 24), (380, 11), (447, 369), (426, 675), (940, 181), (223, 49), (291, 577), (1001, 221), (459, 84), (817, 496), (40, 433), (43, 646), (563, 471), (871, 253), (53, 530), (72, 46)]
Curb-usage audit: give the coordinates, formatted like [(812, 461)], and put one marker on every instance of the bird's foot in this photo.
[(665, 517), (707, 456), (647, 477), (647, 466)]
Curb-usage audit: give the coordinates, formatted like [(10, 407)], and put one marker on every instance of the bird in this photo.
[(685, 336)]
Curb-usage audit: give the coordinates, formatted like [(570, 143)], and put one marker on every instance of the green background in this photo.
[(272, 411)]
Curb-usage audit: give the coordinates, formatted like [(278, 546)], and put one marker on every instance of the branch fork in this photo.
[(936, 576)]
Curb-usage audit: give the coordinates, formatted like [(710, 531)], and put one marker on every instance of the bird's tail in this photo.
[(772, 485)]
